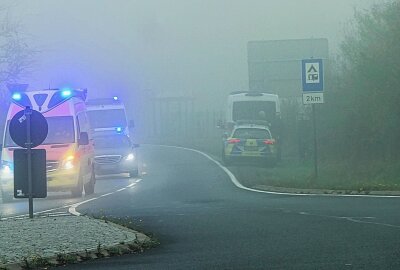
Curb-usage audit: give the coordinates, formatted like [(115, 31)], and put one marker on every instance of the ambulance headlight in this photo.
[(68, 163), (130, 157), (7, 168)]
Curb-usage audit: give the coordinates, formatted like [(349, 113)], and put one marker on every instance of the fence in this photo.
[(179, 121)]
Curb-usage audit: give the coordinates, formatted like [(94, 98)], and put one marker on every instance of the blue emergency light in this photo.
[(16, 96), (115, 98), (119, 129), (66, 93)]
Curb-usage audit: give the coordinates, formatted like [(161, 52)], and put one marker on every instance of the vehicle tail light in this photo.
[(233, 141), (269, 142)]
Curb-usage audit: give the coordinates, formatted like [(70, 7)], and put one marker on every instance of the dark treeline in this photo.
[(360, 120)]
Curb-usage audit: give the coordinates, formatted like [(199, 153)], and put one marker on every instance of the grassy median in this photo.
[(375, 176)]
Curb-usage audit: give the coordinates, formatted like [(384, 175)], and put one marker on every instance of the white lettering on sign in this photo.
[(312, 73), (22, 119)]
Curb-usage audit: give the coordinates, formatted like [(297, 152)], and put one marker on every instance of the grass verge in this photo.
[(361, 177)]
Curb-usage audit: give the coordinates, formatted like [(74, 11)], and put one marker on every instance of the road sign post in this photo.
[(313, 86), (28, 113), (22, 134), (315, 142)]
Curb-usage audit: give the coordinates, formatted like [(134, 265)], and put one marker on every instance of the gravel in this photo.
[(49, 236)]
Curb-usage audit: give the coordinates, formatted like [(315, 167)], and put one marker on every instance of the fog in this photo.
[(180, 47)]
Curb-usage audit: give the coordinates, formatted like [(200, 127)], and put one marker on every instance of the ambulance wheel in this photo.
[(76, 192), (89, 187)]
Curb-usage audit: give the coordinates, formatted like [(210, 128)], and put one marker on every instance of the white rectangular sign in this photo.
[(313, 98)]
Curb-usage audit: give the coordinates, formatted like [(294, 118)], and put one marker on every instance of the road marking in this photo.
[(353, 219), (72, 207), (239, 185)]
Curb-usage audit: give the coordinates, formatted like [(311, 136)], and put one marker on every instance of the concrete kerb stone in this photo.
[(137, 245), (325, 191)]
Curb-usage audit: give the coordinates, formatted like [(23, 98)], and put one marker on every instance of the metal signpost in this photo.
[(313, 87), (22, 134)]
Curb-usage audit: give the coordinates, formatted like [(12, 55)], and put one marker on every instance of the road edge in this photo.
[(285, 191)]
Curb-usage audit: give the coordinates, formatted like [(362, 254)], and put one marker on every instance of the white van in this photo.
[(108, 116)]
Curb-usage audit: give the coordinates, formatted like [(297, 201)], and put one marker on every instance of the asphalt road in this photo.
[(56, 202), (203, 221)]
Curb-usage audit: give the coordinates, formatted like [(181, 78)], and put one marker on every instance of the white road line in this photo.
[(72, 207), (35, 213), (353, 219), (239, 185)]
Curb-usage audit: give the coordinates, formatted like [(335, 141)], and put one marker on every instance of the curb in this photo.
[(139, 245), (295, 191), (325, 191)]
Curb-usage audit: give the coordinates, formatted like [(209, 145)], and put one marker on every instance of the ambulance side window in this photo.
[(83, 123)]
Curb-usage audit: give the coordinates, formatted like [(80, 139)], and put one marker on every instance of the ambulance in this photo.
[(69, 146)]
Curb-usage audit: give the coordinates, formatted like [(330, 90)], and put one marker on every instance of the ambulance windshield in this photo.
[(61, 130)]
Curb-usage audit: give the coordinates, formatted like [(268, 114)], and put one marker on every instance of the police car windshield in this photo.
[(61, 130), (107, 118), (119, 141), (251, 133)]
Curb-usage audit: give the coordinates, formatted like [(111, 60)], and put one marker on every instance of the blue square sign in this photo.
[(312, 75)]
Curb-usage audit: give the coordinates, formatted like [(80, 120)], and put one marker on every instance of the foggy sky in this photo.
[(191, 47)]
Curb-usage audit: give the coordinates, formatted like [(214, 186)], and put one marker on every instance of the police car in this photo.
[(249, 142)]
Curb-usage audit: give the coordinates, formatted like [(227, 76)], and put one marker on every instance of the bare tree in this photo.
[(16, 57)]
